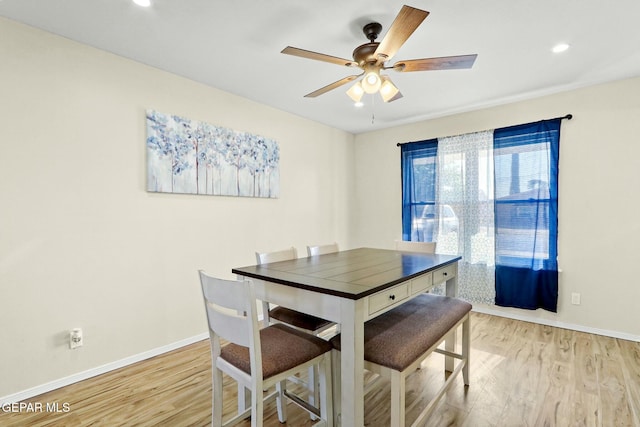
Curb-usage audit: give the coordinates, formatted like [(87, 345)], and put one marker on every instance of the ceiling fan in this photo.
[(371, 58)]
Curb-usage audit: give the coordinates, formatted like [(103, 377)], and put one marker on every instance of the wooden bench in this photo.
[(398, 341)]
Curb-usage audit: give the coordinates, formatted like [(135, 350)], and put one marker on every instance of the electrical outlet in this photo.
[(75, 338), (575, 298)]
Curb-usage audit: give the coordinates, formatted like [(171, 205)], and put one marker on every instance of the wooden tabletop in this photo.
[(352, 274)]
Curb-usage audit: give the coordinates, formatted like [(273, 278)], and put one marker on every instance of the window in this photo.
[(526, 214), (491, 197), (418, 190)]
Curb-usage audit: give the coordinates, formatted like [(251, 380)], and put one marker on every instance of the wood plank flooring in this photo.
[(522, 374)]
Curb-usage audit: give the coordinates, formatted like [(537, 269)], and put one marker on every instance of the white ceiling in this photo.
[(235, 46)]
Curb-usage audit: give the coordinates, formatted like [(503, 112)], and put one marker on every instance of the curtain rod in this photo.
[(566, 116)]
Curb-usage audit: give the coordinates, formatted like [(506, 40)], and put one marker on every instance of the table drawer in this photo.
[(388, 297), (443, 274), (421, 284)]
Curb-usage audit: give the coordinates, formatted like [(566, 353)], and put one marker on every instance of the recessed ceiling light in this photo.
[(560, 47), (359, 104), (143, 3)]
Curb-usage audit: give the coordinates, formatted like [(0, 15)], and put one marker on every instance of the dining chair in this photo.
[(257, 359), (282, 255), (322, 249), (398, 341), (423, 247), (305, 322)]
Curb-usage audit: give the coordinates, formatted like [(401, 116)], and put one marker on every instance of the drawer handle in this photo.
[(392, 297), (445, 273)]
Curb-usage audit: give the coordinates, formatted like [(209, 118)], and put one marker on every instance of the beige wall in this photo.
[(599, 224), (82, 244)]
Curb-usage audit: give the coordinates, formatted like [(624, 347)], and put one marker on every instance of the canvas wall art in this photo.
[(193, 157)]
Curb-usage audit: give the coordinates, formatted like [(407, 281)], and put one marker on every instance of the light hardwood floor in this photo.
[(522, 374)]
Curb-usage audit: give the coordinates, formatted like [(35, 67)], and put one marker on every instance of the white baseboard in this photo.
[(53, 385), (557, 324), (80, 376)]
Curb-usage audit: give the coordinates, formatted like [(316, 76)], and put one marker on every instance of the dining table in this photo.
[(350, 287)]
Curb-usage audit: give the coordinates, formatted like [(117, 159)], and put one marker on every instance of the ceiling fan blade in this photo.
[(332, 86), (318, 56), (442, 63), (408, 19)]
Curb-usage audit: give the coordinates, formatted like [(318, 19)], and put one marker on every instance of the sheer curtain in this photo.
[(465, 211)]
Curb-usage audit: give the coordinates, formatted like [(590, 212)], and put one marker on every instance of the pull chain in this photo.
[(373, 114)]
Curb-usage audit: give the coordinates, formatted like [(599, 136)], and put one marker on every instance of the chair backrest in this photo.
[(322, 249), (283, 255), (232, 315), (424, 247)]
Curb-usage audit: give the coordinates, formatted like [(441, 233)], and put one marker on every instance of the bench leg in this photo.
[(397, 399), (466, 348)]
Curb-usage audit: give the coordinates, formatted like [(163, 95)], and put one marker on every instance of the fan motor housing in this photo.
[(364, 54)]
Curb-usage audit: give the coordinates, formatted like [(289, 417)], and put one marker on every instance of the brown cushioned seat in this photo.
[(297, 319), (398, 337), (277, 340)]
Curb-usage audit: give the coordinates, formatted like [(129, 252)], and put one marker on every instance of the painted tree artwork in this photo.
[(188, 156)]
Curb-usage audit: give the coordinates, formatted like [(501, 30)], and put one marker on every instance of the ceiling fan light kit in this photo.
[(371, 58), (371, 82), (388, 90), (355, 92)]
